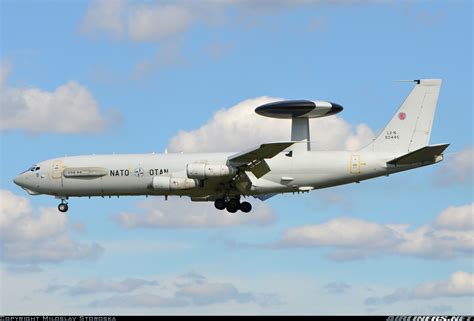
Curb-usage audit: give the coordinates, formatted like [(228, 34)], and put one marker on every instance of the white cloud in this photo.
[(191, 289), (459, 284), (456, 218), (104, 17), (145, 22), (97, 285), (158, 22), (168, 20), (457, 168), (71, 108), (239, 127), (356, 238), (205, 293), (182, 213), (27, 238), (142, 300), (343, 232)]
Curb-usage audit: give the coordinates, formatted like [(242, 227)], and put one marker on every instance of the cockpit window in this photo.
[(33, 168)]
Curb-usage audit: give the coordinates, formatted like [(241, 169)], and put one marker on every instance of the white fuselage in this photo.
[(133, 174)]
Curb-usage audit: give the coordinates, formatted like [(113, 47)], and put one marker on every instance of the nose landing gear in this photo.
[(63, 207)]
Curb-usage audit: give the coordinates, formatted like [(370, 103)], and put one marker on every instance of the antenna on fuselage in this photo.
[(299, 111)]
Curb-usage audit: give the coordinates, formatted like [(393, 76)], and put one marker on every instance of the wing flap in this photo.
[(259, 169), (425, 154)]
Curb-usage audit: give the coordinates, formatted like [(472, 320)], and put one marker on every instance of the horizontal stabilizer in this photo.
[(427, 154), (256, 154)]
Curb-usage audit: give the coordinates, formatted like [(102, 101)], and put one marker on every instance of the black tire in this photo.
[(63, 207), (245, 207), (220, 204), (233, 205)]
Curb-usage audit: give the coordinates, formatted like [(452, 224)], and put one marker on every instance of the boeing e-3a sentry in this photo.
[(262, 172)]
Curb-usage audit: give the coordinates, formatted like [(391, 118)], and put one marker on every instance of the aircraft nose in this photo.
[(18, 180)]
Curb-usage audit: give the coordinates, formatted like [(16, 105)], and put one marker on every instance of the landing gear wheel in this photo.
[(219, 204), (245, 207), (233, 205), (63, 207)]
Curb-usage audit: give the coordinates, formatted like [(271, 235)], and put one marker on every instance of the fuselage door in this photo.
[(57, 169), (355, 164)]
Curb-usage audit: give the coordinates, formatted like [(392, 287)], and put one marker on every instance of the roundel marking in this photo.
[(402, 116), (139, 172)]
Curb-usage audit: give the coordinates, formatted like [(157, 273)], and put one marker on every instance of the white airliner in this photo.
[(261, 172)]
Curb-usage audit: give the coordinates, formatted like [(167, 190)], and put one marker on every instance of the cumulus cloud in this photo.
[(191, 289), (27, 238), (459, 284), (182, 213), (142, 300), (104, 17), (97, 285), (239, 127), (353, 238), (205, 293), (168, 22), (157, 22), (163, 20), (457, 169), (146, 22), (456, 218), (70, 108), (343, 232)]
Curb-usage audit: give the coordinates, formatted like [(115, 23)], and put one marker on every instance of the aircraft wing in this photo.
[(424, 154), (254, 159)]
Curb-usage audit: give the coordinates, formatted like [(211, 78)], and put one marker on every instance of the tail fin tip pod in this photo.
[(410, 127)]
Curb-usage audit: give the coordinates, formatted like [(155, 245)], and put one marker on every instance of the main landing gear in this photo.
[(232, 205), (62, 207)]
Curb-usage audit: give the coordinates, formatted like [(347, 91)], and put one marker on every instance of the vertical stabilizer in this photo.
[(410, 128)]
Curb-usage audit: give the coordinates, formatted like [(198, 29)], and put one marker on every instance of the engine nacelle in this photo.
[(167, 183), (203, 171)]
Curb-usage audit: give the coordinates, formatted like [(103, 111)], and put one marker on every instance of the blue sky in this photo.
[(138, 77)]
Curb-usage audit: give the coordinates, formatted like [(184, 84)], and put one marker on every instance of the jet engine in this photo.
[(203, 171), (167, 183)]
